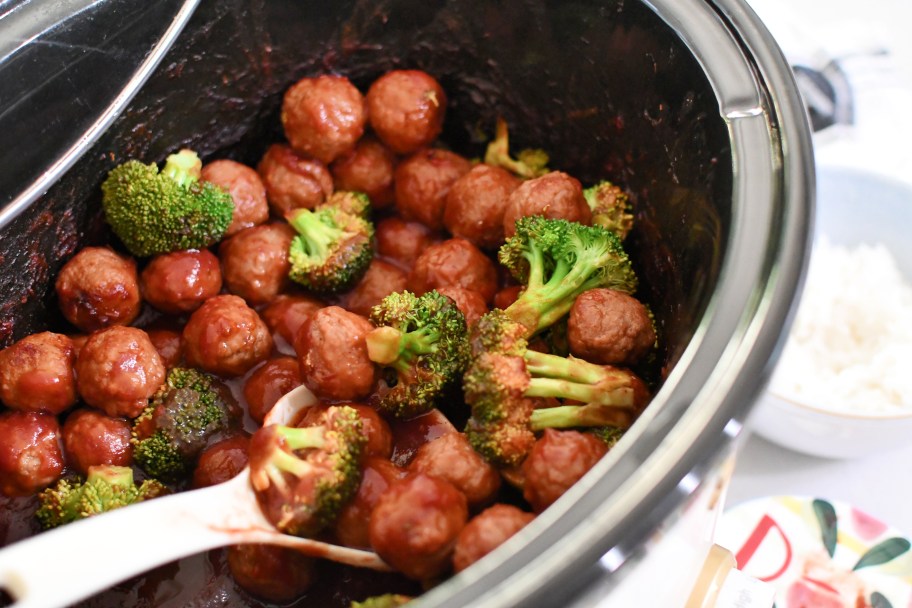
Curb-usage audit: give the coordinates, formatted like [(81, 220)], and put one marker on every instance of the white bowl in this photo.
[(853, 207)]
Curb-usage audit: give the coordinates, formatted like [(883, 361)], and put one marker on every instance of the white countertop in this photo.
[(872, 43)]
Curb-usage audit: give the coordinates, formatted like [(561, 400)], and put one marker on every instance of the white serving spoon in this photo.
[(70, 563)]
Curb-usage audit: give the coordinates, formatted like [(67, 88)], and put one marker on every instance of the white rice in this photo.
[(850, 348)]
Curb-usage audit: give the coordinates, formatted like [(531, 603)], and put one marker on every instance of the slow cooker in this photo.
[(688, 104)]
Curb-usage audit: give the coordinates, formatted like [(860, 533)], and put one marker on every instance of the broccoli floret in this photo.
[(510, 389), (332, 249), (303, 476), (105, 488), (356, 203), (189, 409), (610, 207), (389, 600), (529, 163), (423, 339), (609, 435), (557, 260), (156, 212)]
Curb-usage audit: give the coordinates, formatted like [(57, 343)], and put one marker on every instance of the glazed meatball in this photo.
[(333, 355), (451, 458), (402, 241), (118, 370), (169, 344), (415, 524), (246, 189), (507, 295), (380, 280), (179, 282), (221, 461), (255, 262), (293, 181), (454, 263), (36, 373), (422, 182), (368, 168), (487, 531), (406, 109), (98, 288), (323, 117), (286, 314), (226, 337), (376, 429), (273, 573), (610, 327), (468, 301), (557, 461), (92, 438), (268, 383), (554, 195), (30, 455), (476, 203), (352, 528)]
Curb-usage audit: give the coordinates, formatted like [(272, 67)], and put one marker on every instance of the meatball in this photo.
[(487, 531), (610, 327), (333, 355), (376, 429), (118, 370), (221, 461), (368, 168), (415, 524), (273, 573), (352, 528), (246, 189), (468, 301), (406, 109), (286, 314), (179, 282), (454, 263), (554, 195), (380, 280), (293, 181), (421, 184), (169, 344), (451, 458), (98, 288), (30, 455), (92, 438), (476, 203), (268, 383), (226, 337), (323, 117), (36, 373), (557, 461), (402, 241), (255, 262)]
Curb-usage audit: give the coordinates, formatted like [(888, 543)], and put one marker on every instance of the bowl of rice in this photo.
[(842, 387)]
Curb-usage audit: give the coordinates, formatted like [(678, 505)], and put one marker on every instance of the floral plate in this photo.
[(819, 553)]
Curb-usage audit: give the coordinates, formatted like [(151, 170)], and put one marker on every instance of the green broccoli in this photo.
[(189, 409), (156, 212), (105, 488), (512, 391), (529, 163), (557, 260), (332, 249), (303, 476), (356, 203), (610, 207), (389, 600), (423, 339)]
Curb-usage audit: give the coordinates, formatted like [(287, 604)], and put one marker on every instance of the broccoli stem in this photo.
[(573, 416), (390, 346), (302, 438), (553, 366), (116, 476), (319, 236), (183, 167)]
